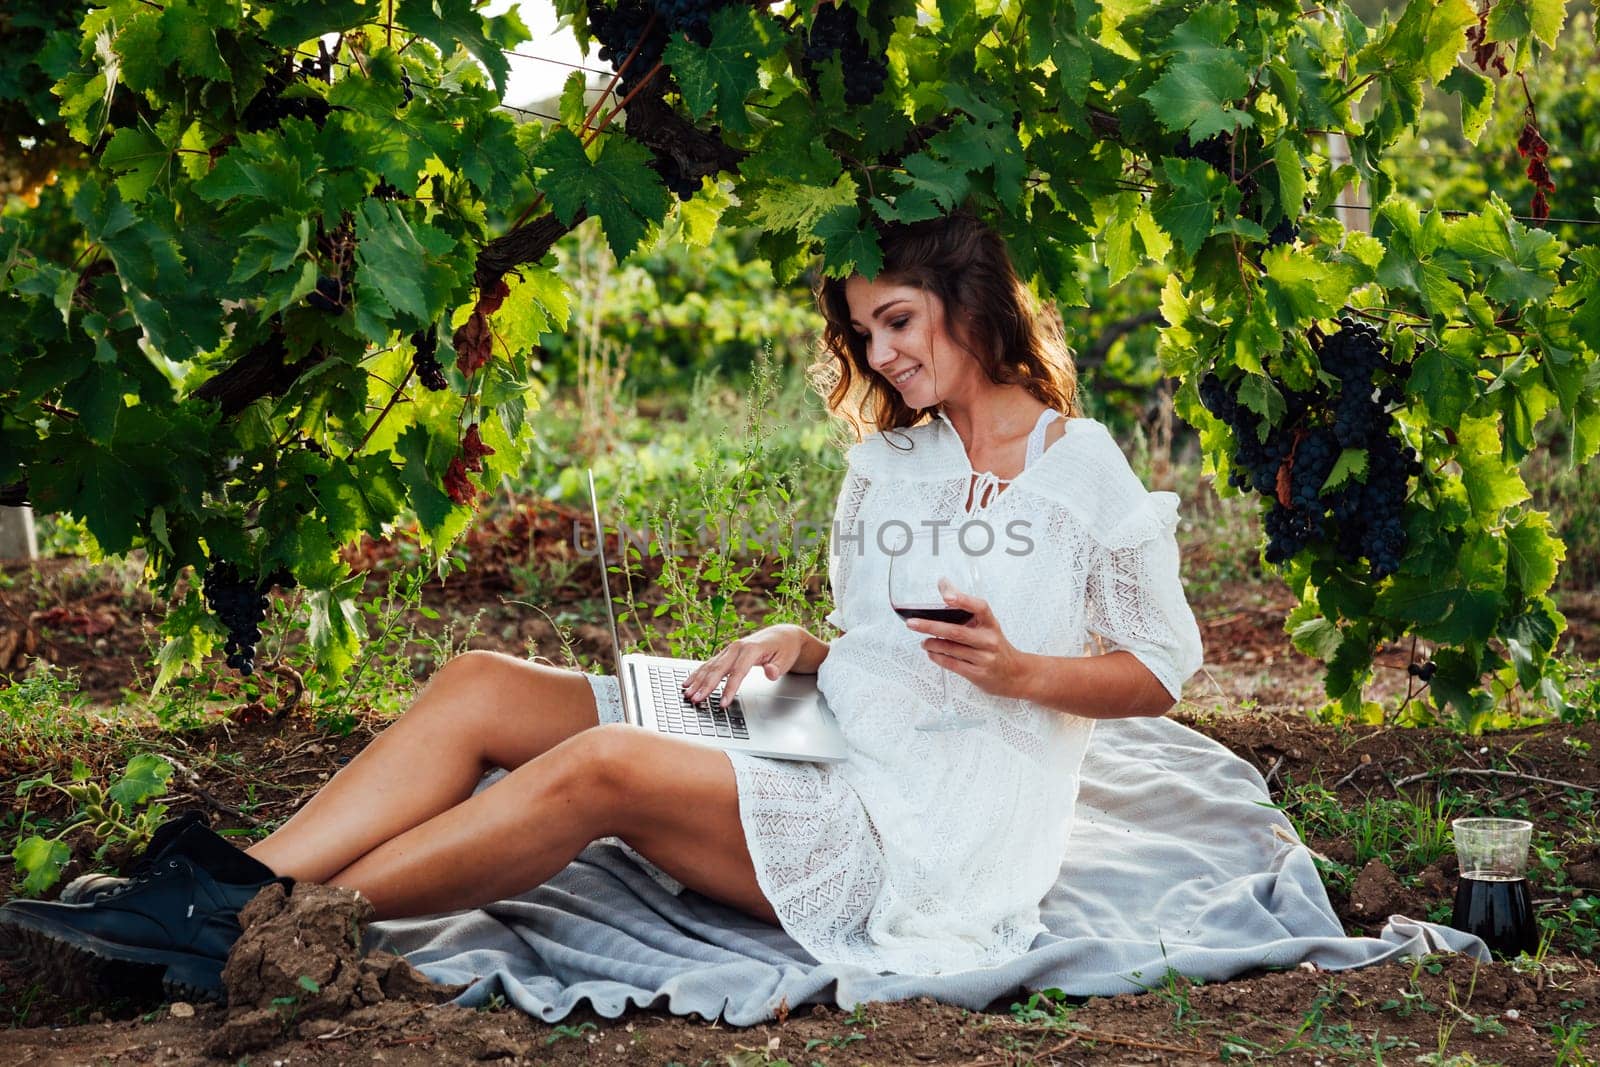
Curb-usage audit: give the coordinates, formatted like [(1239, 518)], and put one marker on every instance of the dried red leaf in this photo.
[(490, 299), (473, 344), (1539, 174), (458, 486), (1286, 473), (473, 448), (1530, 143), (1540, 208)]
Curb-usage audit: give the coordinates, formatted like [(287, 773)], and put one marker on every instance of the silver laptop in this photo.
[(786, 719)]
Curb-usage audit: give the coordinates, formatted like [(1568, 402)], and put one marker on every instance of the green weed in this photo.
[(121, 814), (45, 707)]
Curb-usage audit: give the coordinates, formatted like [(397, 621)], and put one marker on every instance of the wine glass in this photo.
[(915, 570)]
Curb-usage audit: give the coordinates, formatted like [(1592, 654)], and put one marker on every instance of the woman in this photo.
[(927, 850)]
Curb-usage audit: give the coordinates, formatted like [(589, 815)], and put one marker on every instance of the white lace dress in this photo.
[(929, 852)]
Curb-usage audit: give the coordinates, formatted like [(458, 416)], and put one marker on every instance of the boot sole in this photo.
[(93, 967)]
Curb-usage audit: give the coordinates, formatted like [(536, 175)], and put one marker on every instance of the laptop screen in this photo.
[(605, 581)]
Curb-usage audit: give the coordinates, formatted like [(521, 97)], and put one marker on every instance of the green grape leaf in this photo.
[(946, 184), (1512, 19), (272, 245), (1258, 393), (1444, 383), (1430, 34), (1352, 463), (1520, 263), (849, 244), (1477, 100), (448, 23), (138, 157), (189, 38), (438, 515), (618, 186), (798, 206), (1203, 77), (188, 640), (1299, 288), (1492, 484), (1187, 207), (42, 862), (276, 169), (1533, 552), (1291, 179), (335, 629), (139, 65), (1530, 638), (390, 254), (572, 107), (145, 779), (537, 304), (363, 497), (1317, 637), (723, 74)]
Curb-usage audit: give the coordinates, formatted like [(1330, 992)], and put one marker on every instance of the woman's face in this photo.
[(905, 332)]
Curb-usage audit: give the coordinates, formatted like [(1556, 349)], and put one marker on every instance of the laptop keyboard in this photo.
[(676, 715)]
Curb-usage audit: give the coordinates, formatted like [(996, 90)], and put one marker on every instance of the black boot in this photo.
[(173, 923), (87, 888)]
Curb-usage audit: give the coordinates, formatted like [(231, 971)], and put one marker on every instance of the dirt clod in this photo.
[(1376, 892), (299, 960)]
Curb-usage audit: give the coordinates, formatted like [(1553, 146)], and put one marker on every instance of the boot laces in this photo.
[(142, 873)]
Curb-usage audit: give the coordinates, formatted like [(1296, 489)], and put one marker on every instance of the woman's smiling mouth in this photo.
[(903, 378)]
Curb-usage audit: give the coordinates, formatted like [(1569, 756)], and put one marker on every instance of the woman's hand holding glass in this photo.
[(774, 649), (934, 587), (977, 650)]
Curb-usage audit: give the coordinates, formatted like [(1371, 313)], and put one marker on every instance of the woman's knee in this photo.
[(604, 758)]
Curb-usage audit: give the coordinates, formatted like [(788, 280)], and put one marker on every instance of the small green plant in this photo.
[(44, 706), (1174, 989), (741, 516), (288, 1007), (111, 813), (836, 1041), (1043, 1006), (560, 1031), (1573, 1043)]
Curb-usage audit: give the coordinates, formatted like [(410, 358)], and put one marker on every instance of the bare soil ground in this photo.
[(248, 771)]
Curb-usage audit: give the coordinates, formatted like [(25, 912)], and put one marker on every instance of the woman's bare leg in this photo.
[(675, 801), (479, 711)]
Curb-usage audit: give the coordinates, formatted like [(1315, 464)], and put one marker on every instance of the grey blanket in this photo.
[(1177, 860)]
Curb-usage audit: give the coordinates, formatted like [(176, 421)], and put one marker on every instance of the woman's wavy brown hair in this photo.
[(989, 312)]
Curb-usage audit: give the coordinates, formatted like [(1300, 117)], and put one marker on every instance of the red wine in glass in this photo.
[(1498, 909), (936, 612), (915, 574)]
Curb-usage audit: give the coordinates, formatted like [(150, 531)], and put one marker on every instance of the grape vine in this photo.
[(282, 209)]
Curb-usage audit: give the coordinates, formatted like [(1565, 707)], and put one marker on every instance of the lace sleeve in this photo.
[(843, 539), (1135, 597)]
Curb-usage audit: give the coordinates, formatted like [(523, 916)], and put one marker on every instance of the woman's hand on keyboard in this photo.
[(775, 649)]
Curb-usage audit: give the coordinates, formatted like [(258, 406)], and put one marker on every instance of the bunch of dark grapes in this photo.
[(425, 343), (619, 28), (240, 606), (405, 88), (269, 107), (1289, 463), (690, 17), (834, 32)]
